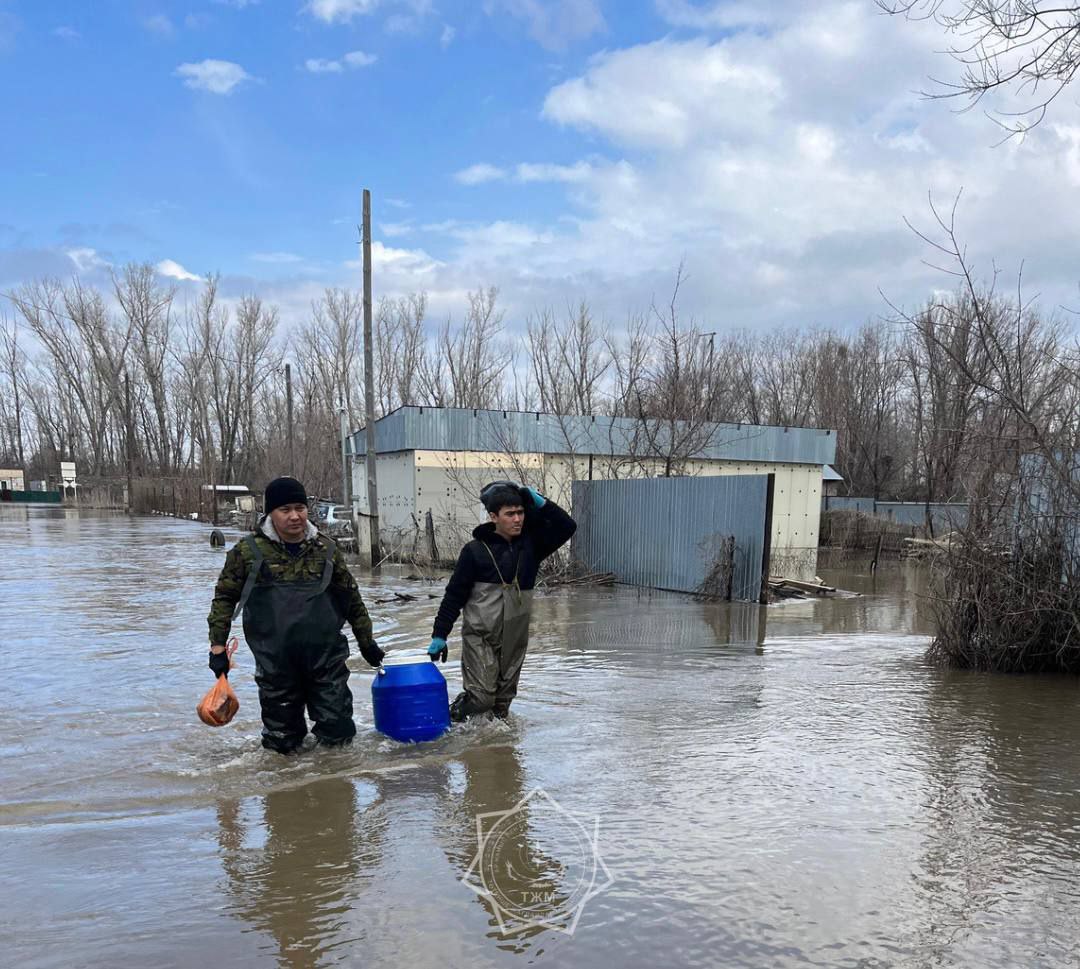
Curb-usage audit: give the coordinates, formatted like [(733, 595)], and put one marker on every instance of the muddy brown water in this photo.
[(699, 785)]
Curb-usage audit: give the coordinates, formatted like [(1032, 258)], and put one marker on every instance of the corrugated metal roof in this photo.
[(829, 473), (457, 429)]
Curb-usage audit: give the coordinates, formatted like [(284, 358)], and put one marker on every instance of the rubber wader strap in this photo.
[(328, 568), (253, 574), (506, 585)]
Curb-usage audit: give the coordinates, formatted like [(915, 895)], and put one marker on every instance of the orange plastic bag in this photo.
[(220, 704)]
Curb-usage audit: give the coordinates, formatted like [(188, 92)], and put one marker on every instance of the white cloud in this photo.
[(769, 162), (276, 258), (86, 259), (439, 228), (159, 24), (714, 15), (777, 158), (345, 11), (707, 93), (394, 229), (528, 172), (340, 11), (173, 270), (502, 239), (554, 24), (316, 65), (446, 38), (479, 174), (358, 58), (65, 32), (816, 143), (351, 61), (217, 77), (413, 264)]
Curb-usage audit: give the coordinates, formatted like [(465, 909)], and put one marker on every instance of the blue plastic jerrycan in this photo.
[(410, 701)]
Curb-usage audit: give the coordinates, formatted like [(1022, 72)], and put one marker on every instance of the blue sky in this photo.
[(560, 149)]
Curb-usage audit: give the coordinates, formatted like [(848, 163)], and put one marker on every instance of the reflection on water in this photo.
[(776, 786), (514, 847), (297, 860)]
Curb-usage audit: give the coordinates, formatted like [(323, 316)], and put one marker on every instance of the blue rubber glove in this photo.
[(537, 499), (437, 650)]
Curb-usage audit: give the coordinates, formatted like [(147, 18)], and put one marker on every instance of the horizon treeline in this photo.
[(207, 388)]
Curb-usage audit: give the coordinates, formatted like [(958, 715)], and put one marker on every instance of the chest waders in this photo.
[(494, 637), (294, 631)]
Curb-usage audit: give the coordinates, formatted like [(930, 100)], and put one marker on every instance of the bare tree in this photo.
[(87, 351), (568, 360), (672, 394), (858, 391), (148, 308), (465, 367), (1026, 48), (785, 366), (332, 348), (14, 371), (1010, 582), (399, 345)]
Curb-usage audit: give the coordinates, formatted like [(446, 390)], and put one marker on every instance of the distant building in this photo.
[(831, 480), (11, 479), (437, 459), (233, 497)]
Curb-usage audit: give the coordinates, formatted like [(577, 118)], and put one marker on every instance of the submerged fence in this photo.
[(30, 497), (942, 516), (704, 535)]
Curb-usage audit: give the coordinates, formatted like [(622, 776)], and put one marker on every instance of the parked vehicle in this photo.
[(334, 520)]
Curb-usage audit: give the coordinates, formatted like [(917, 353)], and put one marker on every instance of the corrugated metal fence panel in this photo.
[(456, 429), (666, 532), (864, 506), (945, 515)]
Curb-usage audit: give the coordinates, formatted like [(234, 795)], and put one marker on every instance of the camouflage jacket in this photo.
[(305, 567)]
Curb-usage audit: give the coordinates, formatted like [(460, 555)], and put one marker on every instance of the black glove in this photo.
[(219, 664), (372, 654)]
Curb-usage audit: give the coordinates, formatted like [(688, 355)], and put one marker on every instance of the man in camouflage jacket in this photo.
[(295, 592)]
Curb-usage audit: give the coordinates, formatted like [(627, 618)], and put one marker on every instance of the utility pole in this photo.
[(127, 442), (288, 417), (369, 390)]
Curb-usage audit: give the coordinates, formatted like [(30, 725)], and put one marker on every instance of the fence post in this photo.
[(766, 547), (429, 527)]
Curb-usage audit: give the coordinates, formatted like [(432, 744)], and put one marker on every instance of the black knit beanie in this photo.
[(284, 491), (500, 494)]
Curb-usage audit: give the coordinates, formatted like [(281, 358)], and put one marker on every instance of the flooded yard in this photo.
[(758, 787)]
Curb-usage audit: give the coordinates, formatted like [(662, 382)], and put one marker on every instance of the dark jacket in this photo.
[(282, 567), (489, 554)]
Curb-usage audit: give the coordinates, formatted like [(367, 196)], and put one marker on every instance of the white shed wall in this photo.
[(447, 483)]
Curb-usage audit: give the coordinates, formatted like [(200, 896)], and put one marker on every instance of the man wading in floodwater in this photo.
[(295, 592), (491, 589)]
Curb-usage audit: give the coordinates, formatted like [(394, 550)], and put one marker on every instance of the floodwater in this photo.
[(682, 784)]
